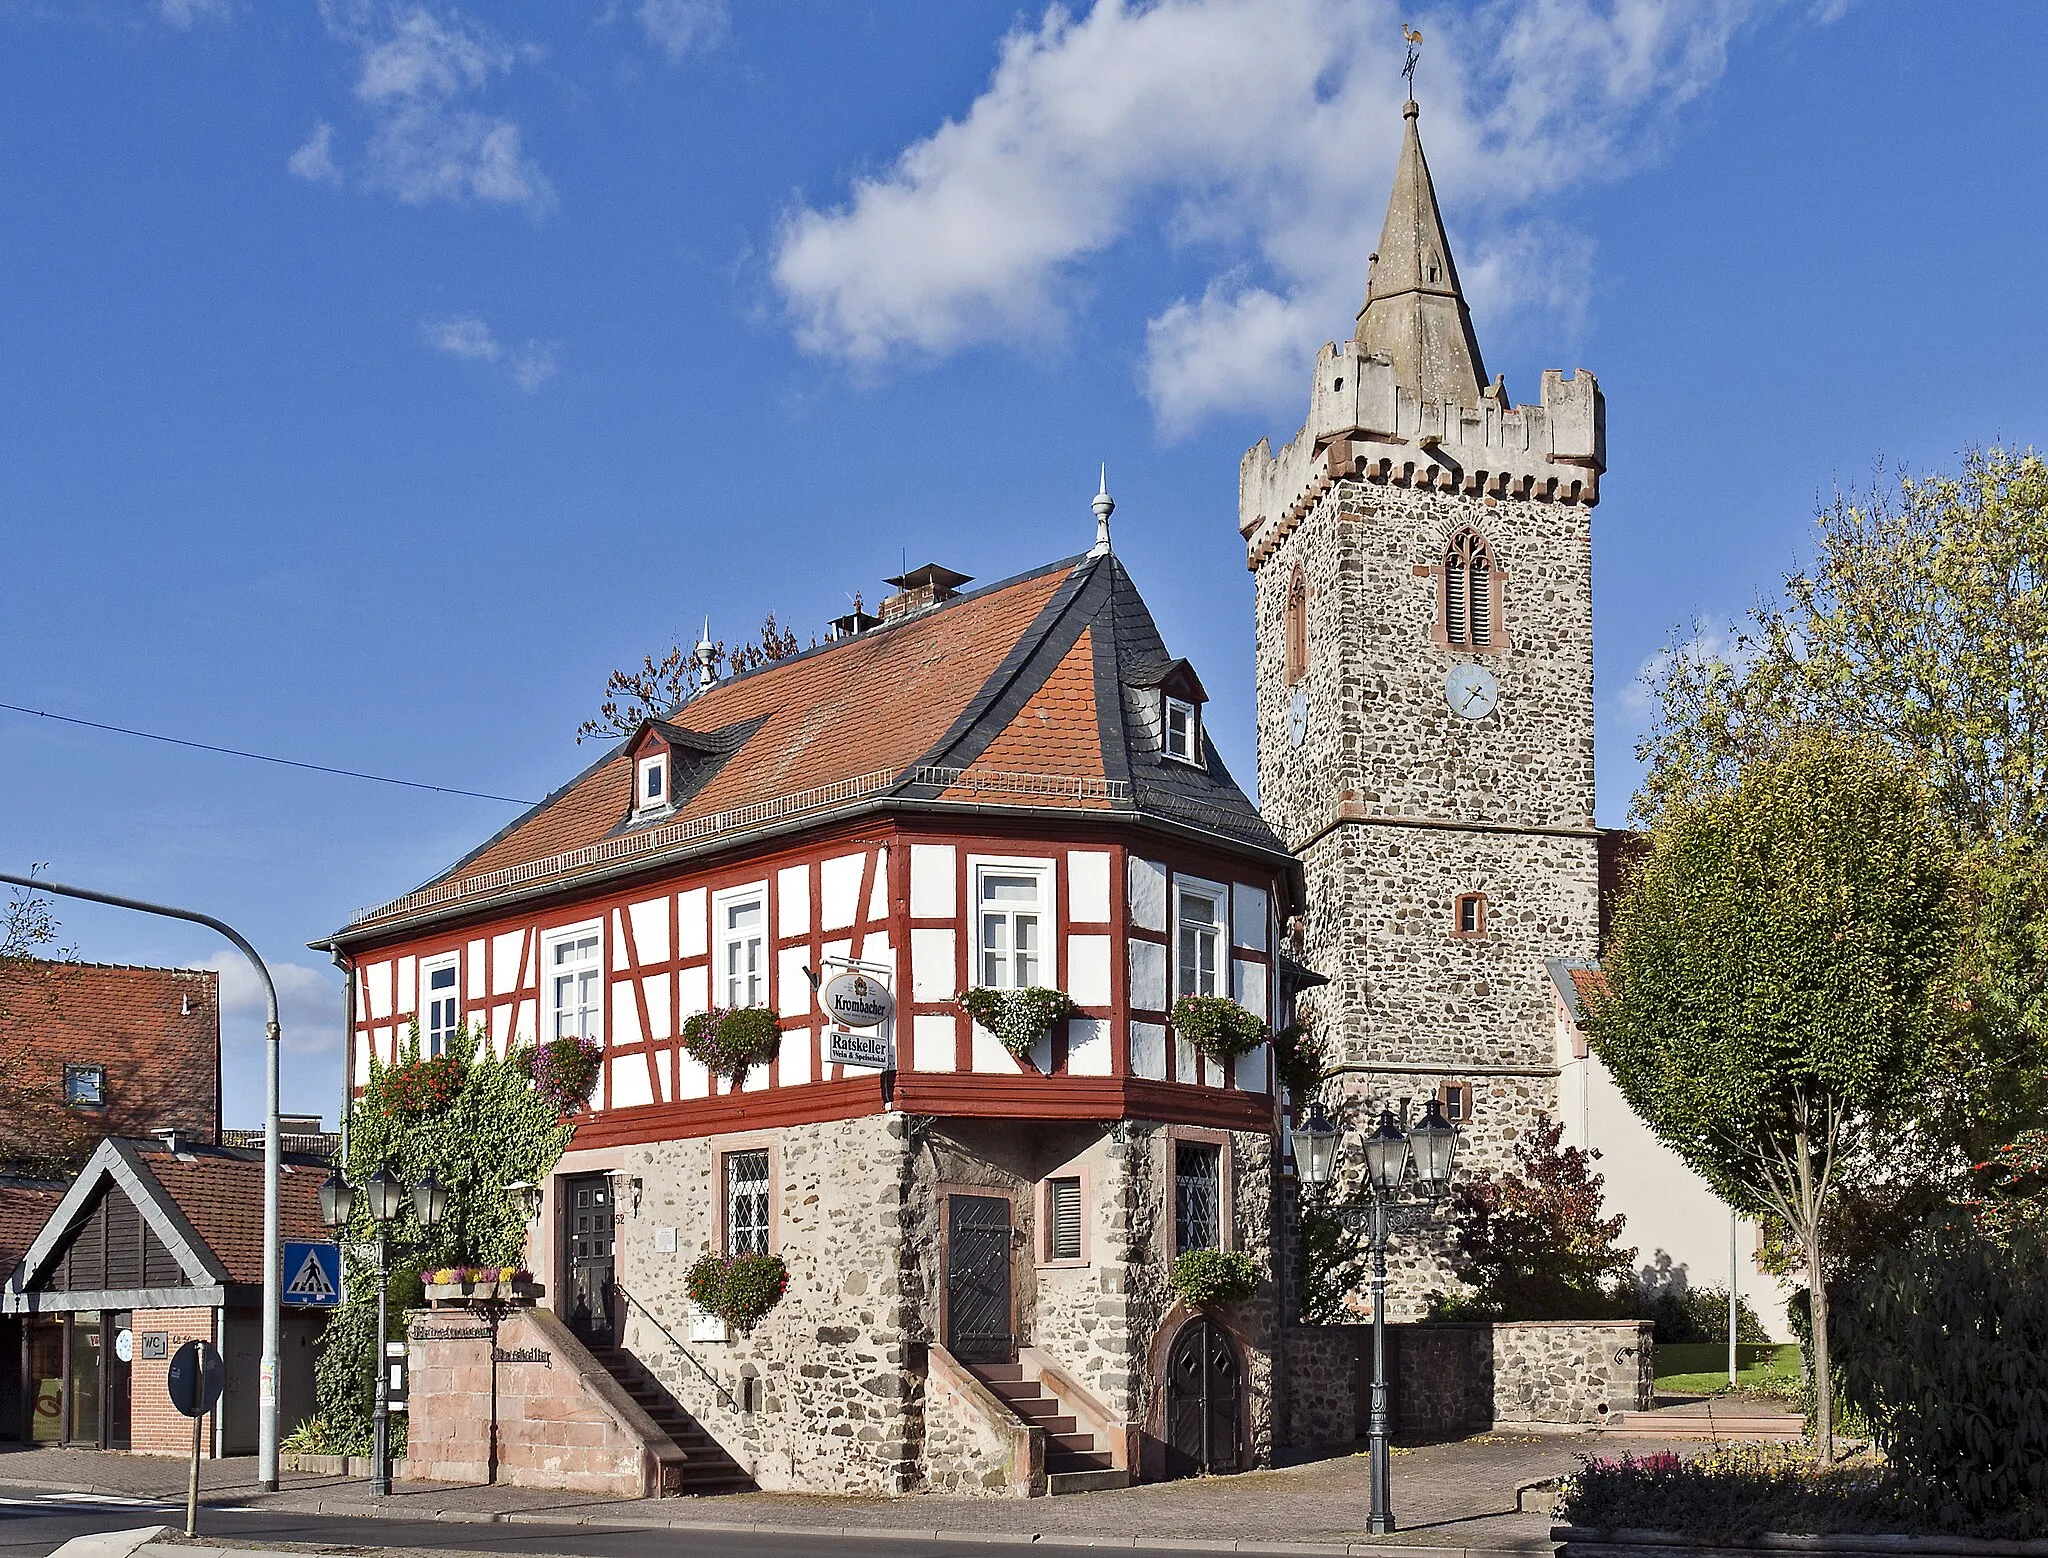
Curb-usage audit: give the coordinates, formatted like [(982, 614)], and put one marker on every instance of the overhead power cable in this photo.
[(264, 757)]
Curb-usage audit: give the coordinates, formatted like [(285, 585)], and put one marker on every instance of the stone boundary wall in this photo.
[(563, 1422), (1467, 1377), (973, 1443)]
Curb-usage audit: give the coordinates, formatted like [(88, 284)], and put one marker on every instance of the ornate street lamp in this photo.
[(337, 1201), (1430, 1150), (429, 1200), (526, 1196), (383, 1193)]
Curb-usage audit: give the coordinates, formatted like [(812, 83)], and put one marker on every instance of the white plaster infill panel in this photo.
[(377, 982), (932, 967), (1248, 987), (506, 952), (990, 1056), (932, 1043), (1088, 970), (795, 1058), (1148, 1050), (692, 1081), (1088, 886), (476, 970), (624, 1027), (692, 991), (792, 984), (878, 899), (793, 901), (1148, 976), (931, 882), (692, 923), (839, 890), (1088, 1041), (629, 1087), (1147, 891), (650, 930), (618, 941), (363, 1061), (408, 984), (1249, 915), (655, 988)]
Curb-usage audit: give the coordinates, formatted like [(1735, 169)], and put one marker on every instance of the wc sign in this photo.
[(312, 1274)]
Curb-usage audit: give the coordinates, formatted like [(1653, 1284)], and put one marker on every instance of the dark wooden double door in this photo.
[(590, 1230), (1204, 1402)]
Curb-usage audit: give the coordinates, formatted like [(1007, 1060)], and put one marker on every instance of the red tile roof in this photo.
[(1590, 982), (1057, 732), (222, 1197), (156, 1030), (23, 1211)]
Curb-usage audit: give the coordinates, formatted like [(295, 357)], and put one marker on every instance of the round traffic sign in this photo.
[(196, 1378)]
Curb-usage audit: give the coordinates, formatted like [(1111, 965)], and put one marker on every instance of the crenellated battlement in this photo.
[(1363, 423)]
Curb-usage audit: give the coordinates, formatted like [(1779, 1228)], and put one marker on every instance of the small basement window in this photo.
[(85, 1087), (1183, 731)]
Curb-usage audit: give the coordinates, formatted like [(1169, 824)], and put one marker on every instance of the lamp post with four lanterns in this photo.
[(383, 1195), (1391, 1152)]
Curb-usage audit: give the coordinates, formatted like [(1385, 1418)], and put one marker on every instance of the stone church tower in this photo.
[(1425, 695)]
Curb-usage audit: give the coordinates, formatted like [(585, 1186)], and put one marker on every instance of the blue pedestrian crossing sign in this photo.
[(312, 1274)]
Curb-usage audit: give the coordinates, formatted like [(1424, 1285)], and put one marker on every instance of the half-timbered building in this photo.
[(1008, 787)]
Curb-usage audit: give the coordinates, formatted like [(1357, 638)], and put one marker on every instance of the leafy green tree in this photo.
[(1772, 983), (1335, 1255), (41, 1135)]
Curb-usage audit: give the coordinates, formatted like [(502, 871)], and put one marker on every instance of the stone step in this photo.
[(992, 1374), (703, 1467), (1067, 1439), (1093, 1481)]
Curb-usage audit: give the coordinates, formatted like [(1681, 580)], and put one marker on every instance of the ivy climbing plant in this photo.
[(491, 1129)]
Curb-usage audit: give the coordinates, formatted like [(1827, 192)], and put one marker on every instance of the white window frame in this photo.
[(755, 893), (656, 763), (1043, 871), (436, 1042), (551, 1012), (1172, 705), (1217, 894)]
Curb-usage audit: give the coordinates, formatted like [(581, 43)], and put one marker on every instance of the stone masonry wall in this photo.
[(831, 1373), (1571, 1373), (973, 1445), (1321, 1364), (1396, 806)]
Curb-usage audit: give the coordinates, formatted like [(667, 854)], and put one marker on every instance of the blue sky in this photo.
[(374, 377)]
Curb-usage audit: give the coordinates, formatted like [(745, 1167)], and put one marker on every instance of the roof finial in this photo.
[(707, 660), (1104, 506)]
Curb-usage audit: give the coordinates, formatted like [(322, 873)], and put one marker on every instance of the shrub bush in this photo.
[(1217, 1026), (1018, 1018), (729, 1041), (1700, 1314), (739, 1289), (1205, 1277), (1732, 1493)]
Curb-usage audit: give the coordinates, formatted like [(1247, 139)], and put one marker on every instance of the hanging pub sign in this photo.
[(844, 1047), (857, 1000)]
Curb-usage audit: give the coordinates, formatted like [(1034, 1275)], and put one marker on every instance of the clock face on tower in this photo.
[(1472, 691), (1297, 717)]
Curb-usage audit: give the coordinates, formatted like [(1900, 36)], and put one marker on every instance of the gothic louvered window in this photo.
[(1063, 1218), (1468, 592), (1296, 628)]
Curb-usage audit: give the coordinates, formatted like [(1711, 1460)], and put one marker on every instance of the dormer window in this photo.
[(650, 786), (1183, 731)]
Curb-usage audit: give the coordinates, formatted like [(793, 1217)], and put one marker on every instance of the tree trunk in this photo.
[(1817, 1302)]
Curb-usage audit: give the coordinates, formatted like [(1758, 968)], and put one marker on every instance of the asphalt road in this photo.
[(34, 1524)]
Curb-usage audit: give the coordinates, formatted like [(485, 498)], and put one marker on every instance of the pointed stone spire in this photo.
[(1414, 313), (1104, 506)]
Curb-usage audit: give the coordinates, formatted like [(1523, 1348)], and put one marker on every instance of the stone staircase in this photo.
[(703, 1467), (1075, 1462)]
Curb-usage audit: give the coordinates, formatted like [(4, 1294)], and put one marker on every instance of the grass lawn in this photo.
[(1762, 1371)]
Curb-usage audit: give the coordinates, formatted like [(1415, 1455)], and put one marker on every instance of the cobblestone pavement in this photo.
[(1459, 1494)]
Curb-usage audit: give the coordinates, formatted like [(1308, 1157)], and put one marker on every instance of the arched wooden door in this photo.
[(1204, 1397)]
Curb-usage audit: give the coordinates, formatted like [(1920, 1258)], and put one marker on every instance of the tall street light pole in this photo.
[(273, 1251)]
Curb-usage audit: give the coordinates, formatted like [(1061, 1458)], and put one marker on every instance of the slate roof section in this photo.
[(156, 1030), (1039, 691), (1576, 981)]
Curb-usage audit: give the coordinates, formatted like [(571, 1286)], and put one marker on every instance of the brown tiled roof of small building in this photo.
[(23, 1211), (1591, 983), (156, 1030), (221, 1195)]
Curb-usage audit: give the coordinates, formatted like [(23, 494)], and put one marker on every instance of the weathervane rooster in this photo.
[(1414, 55)]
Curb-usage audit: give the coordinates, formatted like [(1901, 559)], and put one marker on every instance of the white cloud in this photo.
[(1712, 639), (418, 68), (188, 13), (308, 1002), (314, 161), (680, 28), (467, 336), (1259, 131)]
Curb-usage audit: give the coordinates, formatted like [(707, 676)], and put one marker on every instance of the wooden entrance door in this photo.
[(589, 1228), (1204, 1389), (978, 1279)]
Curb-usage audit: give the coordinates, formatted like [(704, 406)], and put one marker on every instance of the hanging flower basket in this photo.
[(1018, 1018), (1217, 1026), (1202, 1278), (739, 1289), (731, 1040), (563, 1071)]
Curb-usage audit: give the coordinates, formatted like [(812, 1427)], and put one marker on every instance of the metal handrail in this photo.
[(655, 1321)]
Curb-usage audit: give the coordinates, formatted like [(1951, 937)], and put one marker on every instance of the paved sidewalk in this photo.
[(1457, 1495)]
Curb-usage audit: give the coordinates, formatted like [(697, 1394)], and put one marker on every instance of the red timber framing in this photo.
[(658, 946)]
